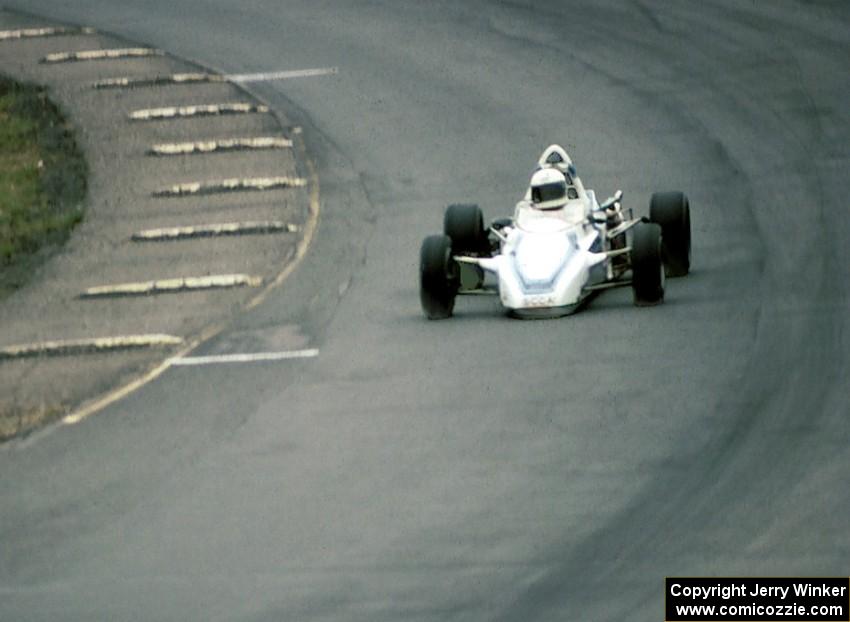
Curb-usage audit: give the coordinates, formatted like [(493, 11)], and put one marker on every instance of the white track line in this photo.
[(280, 75), (244, 358)]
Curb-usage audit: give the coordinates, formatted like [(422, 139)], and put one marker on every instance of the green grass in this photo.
[(42, 181)]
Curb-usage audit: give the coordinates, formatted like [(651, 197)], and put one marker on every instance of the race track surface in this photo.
[(484, 468)]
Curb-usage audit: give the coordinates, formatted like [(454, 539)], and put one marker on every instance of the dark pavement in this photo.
[(484, 468)]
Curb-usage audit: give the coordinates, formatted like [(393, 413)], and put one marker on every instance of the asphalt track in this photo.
[(484, 468)]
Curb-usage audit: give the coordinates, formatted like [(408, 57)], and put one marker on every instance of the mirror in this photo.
[(613, 201)]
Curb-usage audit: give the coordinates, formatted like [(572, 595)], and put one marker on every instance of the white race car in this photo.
[(560, 247)]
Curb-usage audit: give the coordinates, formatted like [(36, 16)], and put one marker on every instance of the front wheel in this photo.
[(672, 212), (438, 277), (647, 265)]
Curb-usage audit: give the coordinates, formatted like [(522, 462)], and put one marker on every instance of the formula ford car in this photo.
[(560, 247)]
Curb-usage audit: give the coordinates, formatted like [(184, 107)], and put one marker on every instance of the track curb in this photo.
[(307, 178)]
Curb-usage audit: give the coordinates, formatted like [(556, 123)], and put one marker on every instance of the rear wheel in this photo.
[(438, 277), (464, 224), (671, 210), (647, 266)]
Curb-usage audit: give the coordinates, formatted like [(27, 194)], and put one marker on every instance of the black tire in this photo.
[(464, 224), (438, 277), (671, 210), (647, 265)]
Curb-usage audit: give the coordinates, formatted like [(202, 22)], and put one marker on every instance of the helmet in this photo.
[(548, 189)]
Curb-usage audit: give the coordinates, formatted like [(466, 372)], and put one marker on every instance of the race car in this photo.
[(560, 247)]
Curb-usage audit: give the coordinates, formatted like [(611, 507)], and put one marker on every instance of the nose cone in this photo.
[(540, 258)]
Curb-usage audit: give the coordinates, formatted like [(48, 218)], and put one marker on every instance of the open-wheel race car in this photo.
[(560, 247)]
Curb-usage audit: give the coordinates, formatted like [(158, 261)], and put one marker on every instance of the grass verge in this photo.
[(42, 181)]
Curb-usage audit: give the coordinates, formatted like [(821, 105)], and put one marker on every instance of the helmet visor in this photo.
[(544, 193)]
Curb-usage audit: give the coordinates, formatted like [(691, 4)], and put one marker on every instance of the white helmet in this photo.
[(548, 189)]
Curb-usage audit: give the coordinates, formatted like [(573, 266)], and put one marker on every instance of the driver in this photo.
[(548, 197), (548, 189)]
